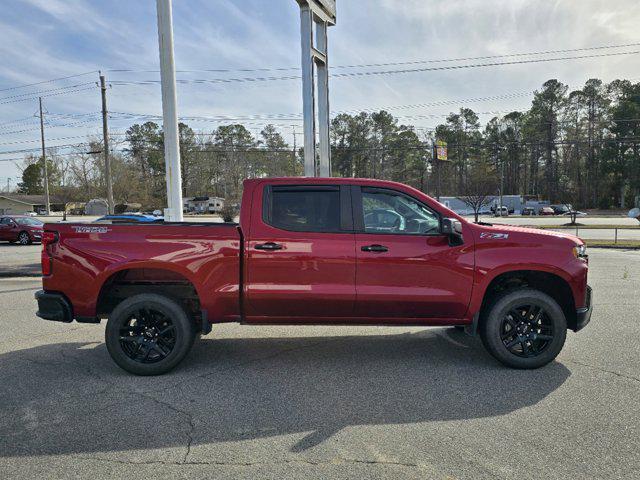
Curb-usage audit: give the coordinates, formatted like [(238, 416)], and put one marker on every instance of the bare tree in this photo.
[(480, 186)]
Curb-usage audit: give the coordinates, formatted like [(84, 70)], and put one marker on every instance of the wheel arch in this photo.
[(164, 279), (548, 282)]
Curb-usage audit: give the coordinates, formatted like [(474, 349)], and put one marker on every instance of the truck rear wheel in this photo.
[(524, 328), (149, 334)]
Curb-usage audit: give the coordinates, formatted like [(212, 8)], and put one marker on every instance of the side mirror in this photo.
[(453, 229)]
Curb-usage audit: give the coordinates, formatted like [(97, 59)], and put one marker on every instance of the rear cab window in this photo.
[(308, 208)]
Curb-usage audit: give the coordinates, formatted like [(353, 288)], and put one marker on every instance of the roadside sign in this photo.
[(441, 150)]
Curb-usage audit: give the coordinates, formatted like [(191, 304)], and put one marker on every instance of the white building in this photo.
[(202, 204)]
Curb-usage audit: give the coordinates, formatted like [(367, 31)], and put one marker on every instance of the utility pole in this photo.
[(591, 170), (436, 164), (44, 163), (497, 156), (169, 112), (295, 148), (105, 135)]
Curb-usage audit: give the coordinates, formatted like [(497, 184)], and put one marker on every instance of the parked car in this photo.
[(561, 209), (528, 211), (577, 213), (316, 251), (21, 229), (546, 211), (501, 211)]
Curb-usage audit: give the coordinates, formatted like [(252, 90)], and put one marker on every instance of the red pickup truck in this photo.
[(317, 251)]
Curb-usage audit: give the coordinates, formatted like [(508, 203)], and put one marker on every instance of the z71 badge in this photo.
[(87, 229), (494, 236)]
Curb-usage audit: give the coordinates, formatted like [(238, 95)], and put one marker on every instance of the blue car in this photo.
[(130, 218)]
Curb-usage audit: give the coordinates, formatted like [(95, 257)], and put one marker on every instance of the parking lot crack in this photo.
[(187, 415), (604, 370), (220, 463)]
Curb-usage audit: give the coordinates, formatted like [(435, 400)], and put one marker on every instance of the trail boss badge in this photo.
[(494, 236)]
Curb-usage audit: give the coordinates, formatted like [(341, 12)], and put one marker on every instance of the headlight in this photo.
[(580, 251)]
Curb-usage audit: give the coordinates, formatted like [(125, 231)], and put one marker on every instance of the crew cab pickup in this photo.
[(317, 251)]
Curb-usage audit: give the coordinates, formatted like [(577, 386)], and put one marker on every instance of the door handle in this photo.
[(374, 248), (268, 246)]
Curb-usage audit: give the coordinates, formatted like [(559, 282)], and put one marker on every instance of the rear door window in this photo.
[(303, 208)]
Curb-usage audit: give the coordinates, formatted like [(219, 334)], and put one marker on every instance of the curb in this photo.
[(21, 271)]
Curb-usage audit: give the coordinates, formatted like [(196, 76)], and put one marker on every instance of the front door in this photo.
[(405, 266), (300, 260), (6, 229)]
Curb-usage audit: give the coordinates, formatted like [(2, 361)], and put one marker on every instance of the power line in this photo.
[(375, 72), (66, 92), (48, 81), (19, 120), (51, 125), (27, 150), (48, 139), (47, 91), (368, 65), (423, 146)]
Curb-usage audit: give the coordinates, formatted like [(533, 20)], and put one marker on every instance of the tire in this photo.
[(149, 334), (24, 238), (524, 328)]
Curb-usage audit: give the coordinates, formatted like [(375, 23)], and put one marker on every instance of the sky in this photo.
[(47, 39)]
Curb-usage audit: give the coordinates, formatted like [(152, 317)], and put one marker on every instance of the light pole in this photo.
[(169, 112)]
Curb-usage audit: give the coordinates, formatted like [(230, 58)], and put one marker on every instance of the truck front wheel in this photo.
[(149, 334), (524, 328)]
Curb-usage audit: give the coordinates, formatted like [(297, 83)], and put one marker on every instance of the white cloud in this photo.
[(82, 35)]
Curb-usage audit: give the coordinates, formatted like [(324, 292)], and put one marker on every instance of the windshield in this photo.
[(28, 221)]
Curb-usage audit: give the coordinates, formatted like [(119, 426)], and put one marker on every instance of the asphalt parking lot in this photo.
[(19, 260), (325, 402)]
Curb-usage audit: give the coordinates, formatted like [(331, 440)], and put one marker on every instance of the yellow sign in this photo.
[(441, 150)]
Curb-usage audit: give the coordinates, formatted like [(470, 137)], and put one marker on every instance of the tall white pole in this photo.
[(323, 100), (308, 87), (169, 112)]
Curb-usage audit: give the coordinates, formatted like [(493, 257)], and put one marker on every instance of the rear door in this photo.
[(405, 266), (300, 257)]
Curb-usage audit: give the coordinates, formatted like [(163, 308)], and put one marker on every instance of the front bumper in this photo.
[(583, 315), (53, 306)]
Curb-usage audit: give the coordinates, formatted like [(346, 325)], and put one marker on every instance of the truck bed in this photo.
[(89, 256)]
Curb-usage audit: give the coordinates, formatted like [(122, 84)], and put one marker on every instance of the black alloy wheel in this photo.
[(526, 330), (523, 328), (148, 336)]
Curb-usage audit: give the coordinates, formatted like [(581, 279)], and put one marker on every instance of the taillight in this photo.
[(48, 239)]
